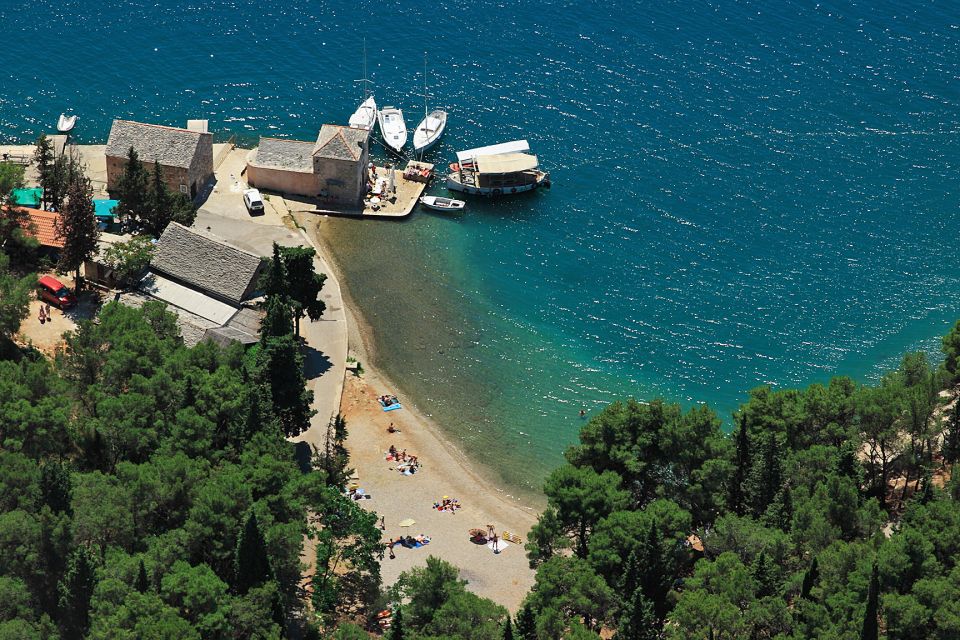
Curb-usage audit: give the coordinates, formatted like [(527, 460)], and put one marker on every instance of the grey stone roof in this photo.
[(290, 155), (206, 262), (223, 336), (340, 143), (170, 146)]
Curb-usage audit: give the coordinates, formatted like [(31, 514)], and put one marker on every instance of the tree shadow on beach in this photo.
[(315, 363)]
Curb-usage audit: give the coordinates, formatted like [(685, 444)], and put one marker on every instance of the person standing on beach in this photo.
[(496, 543)]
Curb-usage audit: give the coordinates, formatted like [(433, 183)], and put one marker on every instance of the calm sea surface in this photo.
[(744, 192)]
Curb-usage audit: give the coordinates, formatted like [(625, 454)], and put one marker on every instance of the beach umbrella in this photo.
[(409, 522)]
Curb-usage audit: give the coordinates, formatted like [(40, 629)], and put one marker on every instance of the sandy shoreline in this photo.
[(446, 471)]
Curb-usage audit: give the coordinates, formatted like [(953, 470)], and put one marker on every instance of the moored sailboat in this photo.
[(366, 114), (430, 129)]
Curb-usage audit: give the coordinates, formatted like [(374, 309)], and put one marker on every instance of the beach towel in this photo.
[(501, 545)]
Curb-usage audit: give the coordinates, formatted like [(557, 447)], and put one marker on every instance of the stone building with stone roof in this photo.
[(333, 169), (206, 282), (203, 261), (185, 157)]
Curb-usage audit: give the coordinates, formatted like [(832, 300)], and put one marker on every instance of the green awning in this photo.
[(27, 197)]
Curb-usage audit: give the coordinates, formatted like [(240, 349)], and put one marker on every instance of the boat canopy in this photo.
[(516, 146), (506, 163)]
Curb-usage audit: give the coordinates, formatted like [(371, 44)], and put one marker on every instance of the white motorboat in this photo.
[(66, 123), (442, 204), (428, 132), (430, 129), (393, 128), (365, 116)]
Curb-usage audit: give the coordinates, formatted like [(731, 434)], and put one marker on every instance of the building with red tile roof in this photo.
[(42, 225)]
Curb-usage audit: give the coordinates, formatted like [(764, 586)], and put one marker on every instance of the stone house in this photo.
[(333, 170), (206, 282), (185, 157)]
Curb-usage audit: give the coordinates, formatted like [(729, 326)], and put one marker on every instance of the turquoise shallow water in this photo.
[(745, 192)]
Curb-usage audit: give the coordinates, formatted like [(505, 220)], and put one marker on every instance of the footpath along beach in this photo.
[(504, 577)]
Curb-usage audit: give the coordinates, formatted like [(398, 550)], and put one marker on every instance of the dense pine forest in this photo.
[(148, 490)]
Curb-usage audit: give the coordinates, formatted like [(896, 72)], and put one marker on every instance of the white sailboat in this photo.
[(430, 129), (366, 114), (393, 128)]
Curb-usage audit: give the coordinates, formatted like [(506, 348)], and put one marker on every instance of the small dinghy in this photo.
[(66, 123), (442, 204)]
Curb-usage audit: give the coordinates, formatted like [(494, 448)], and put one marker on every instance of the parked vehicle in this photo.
[(253, 202), (52, 291)]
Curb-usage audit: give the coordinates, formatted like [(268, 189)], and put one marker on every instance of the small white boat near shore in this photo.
[(66, 123), (392, 128), (442, 204)]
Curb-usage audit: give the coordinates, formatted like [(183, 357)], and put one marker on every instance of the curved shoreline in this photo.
[(446, 470)]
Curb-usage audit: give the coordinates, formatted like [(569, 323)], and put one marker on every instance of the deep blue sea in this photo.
[(744, 192)]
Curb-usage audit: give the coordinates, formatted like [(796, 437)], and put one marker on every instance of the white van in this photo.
[(253, 201)]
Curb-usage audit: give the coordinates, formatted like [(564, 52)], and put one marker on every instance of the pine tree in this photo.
[(76, 588), (526, 623), (508, 629), (847, 464), (871, 629), (780, 512), (810, 579), (335, 456), (251, 563), (133, 189), (951, 441), (766, 475), (77, 226), (143, 583), (742, 466), (639, 622), (396, 626)]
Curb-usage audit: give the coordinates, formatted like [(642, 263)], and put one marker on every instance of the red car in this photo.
[(51, 290)]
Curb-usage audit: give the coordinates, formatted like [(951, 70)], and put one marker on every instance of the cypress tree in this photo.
[(76, 589), (157, 205), (639, 622), (871, 629), (742, 466), (278, 321), (55, 487), (508, 629), (77, 227), (810, 579), (275, 281), (526, 623), (43, 156), (631, 576), (766, 475), (133, 189), (763, 575), (396, 626), (251, 563), (655, 578), (847, 464), (143, 583)]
